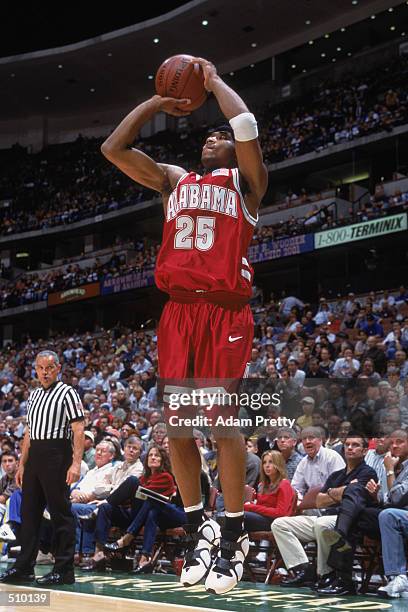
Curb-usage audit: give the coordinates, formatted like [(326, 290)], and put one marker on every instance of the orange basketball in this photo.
[(178, 77)]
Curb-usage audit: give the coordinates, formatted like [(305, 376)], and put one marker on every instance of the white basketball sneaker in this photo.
[(197, 561), (395, 587), (6, 533), (225, 573)]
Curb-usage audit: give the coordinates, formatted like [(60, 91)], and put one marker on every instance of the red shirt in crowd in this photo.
[(274, 504), (162, 483)]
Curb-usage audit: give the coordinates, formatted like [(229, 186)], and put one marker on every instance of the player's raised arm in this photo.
[(248, 150), (136, 164)]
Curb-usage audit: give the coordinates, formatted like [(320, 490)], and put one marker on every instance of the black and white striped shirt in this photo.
[(50, 412)]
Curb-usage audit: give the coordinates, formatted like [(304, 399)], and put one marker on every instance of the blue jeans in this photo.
[(88, 541), (394, 530), (256, 522), (15, 506), (153, 515), (109, 515)]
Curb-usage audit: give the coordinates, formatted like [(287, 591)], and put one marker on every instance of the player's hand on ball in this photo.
[(174, 106), (209, 70)]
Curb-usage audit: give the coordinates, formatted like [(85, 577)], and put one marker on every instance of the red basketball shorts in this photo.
[(204, 345)]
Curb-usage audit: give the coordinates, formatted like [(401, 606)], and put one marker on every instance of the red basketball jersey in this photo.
[(206, 235)]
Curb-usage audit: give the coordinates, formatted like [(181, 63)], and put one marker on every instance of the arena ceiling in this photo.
[(116, 68)]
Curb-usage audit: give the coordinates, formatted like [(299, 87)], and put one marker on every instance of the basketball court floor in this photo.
[(107, 592)]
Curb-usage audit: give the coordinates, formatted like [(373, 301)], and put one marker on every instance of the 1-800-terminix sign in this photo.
[(361, 231)]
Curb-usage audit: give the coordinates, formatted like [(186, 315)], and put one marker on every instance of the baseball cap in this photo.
[(308, 400), (90, 435)]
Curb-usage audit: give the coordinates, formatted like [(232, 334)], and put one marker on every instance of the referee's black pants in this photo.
[(44, 485)]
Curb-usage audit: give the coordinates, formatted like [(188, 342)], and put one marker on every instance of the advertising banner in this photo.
[(74, 294), (282, 247), (361, 231), (132, 280)]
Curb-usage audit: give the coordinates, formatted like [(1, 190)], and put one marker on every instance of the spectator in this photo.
[(290, 532), (346, 366), (274, 497), (319, 463), (308, 404), (89, 449), (157, 477), (285, 443), (9, 465)]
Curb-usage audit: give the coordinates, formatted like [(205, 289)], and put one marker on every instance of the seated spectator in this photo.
[(375, 459), (9, 465), (89, 449), (142, 513), (345, 427), (393, 375), (274, 496), (333, 429), (376, 353), (252, 445), (296, 375), (372, 327), (267, 441), (401, 362), (285, 443), (252, 468), (290, 532), (346, 366), (314, 373), (326, 364), (359, 515), (367, 371), (393, 523), (306, 420), (319, 463), (131, 466)]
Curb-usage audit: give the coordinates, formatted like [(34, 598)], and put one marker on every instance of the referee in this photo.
[(49, 463)]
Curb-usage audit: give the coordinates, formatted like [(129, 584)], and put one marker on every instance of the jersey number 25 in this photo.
[(200, 237)]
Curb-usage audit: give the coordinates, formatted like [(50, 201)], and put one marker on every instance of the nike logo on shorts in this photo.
[(231, 339)]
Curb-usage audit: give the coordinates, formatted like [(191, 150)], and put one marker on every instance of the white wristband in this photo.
[(244, 127)]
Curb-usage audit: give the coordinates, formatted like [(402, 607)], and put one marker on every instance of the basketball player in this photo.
[(206, 328)]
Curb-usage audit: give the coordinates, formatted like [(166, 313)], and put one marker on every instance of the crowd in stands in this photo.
[(31, 288), (336, 112), (68, 183), (340, 367)]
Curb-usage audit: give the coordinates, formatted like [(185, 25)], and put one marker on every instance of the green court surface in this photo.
[(165, 589)]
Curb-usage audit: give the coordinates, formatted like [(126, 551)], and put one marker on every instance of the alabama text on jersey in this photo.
[(206, 235)]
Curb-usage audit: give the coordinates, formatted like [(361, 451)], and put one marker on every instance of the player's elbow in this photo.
[(107, 150)]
